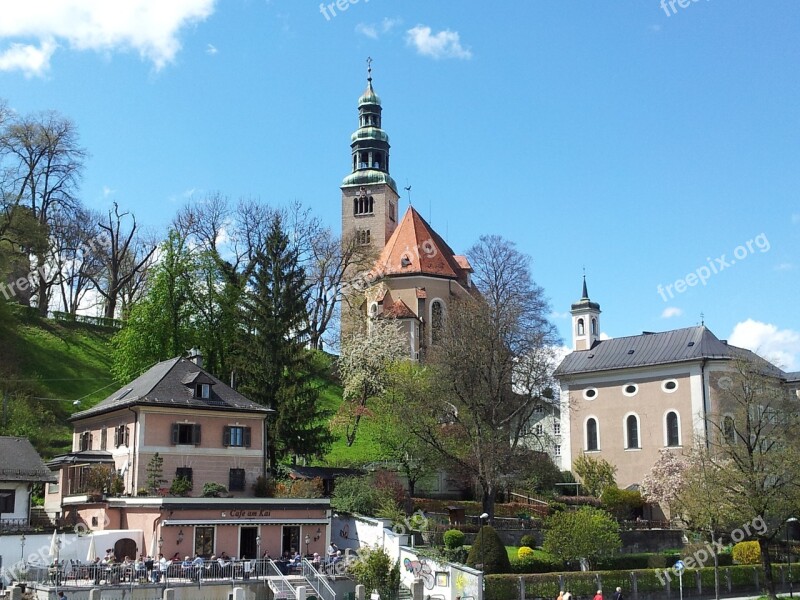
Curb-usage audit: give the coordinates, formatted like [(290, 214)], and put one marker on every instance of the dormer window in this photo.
[(203, 390)]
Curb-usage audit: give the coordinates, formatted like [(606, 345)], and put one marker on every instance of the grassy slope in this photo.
[(58, 361)]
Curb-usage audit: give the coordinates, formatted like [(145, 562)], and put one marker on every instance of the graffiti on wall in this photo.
[(421, 569)]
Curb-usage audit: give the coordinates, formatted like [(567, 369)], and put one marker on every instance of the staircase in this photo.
[(404, 593)]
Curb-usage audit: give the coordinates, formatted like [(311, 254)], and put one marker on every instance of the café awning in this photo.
[(244, 521)]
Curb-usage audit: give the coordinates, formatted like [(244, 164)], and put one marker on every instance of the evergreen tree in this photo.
[(272, 363)]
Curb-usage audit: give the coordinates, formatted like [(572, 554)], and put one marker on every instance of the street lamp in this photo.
[(22, 549), (258, 546), (483, 517), (789, 553), (308, 541)]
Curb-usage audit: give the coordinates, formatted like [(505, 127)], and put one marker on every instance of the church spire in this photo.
[(369, 144), (585, 321)]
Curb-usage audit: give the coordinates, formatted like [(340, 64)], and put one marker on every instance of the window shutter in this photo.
[(175, 433), (246, 437), (226, 436), (196, 434)]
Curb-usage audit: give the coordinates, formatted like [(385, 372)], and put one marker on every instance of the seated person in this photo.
[(186, 568), (197, 563)]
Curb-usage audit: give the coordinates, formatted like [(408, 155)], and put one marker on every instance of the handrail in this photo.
[(279, 584), (322, 587)]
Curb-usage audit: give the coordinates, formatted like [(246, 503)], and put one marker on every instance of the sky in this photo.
[(655, 145)]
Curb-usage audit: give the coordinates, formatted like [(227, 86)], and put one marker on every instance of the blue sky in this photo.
[(646, 144)]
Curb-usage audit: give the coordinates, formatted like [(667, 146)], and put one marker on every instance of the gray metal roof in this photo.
[(163, 385), (21, 462), (648, 349)]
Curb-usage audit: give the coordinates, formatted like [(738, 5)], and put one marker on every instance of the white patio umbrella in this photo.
[(153, 545), (54, 545), (92, 553)]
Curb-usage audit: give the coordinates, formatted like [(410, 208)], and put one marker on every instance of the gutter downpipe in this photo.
[(705, 399), (133, 450)]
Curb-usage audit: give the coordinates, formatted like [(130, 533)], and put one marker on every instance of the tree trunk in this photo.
[(488, 498), (716, 567), (769, 583)]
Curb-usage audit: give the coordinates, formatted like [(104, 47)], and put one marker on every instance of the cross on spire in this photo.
[(369, 69)]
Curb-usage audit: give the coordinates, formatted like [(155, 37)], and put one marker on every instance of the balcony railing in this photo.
[(14, 525)]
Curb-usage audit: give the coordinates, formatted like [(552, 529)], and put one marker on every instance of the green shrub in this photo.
[(181, 486), (623, 504), (747, 553), (453, 538), (528, 540), (489, 551), (212, 489), (525, 553)]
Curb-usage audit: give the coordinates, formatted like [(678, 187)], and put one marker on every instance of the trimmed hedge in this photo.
[(506, 587)]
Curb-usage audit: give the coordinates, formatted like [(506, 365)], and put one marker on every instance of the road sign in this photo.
[(679, 566)]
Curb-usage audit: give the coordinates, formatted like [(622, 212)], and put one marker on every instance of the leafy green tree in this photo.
[(488, 552), (160, 326), (622, 504), (274, 367), (377, 572), (355, 495), (596, 474), (588, 533)]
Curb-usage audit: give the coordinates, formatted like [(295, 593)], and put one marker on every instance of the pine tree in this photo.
[(155, 473), (273, 365)]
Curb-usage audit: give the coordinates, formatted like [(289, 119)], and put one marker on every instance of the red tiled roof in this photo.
[(421, 293), (463, 262), (415, 248), (399, 310)]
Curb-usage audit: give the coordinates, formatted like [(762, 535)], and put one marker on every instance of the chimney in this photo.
[(196, 357)]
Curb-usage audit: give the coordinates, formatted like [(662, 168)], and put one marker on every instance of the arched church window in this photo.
[(581, 328), (594, 326), (437, 321), (371, 204)]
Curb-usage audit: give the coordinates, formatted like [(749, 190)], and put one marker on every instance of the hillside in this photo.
[(46, 366)]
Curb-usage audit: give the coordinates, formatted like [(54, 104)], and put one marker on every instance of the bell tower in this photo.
[(369, 194), (585, 321)]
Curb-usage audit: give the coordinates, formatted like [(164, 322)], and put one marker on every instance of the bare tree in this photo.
[(74, 259), (125, 254), (42, 163), (493, 366), (753, 451)]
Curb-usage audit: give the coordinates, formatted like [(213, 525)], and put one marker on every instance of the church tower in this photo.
[(369, 194), (585, 321)]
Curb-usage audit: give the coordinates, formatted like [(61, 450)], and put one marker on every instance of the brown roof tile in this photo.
[(399, 310), (415, 248)]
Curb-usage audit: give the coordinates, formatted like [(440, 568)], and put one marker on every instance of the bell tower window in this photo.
[(581, 327)]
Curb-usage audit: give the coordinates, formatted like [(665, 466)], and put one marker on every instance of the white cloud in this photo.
[(211, 49), (781, 346), (149, 27), (787, 266), (30, 59), (559, 315), (445, 44), (369, 30), (604, 336), (107, 191), (374, 30), (670, 312)]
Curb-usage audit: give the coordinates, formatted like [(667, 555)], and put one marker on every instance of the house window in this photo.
[(673, 429), (557, 450), (85, 441), (7, 501), (556, 428), (185, 473), (236, 436), (729, 430), (121, 436), (236, 480), (103, 438), (630, 389), (52, 488), (592, 439), (204, 541), (632, 432), (437, 321), (203, 390), (538, 429), (538, 409), (185, 433)]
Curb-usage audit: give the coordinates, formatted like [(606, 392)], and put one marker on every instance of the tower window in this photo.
[(437, 321), (581, 328), (594, 326), (729, 430), (363, 236), (363, 205)]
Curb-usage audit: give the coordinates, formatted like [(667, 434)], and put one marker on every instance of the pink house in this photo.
[(204, 432)]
